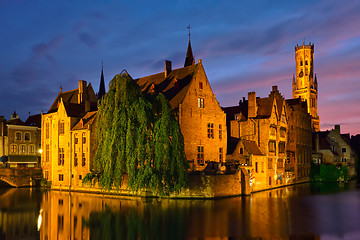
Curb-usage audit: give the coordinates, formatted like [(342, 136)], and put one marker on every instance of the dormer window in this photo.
[(152, 89), (200, 85)]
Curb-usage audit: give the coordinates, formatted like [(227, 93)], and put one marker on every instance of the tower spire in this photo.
[(189, 60), (101, 92)]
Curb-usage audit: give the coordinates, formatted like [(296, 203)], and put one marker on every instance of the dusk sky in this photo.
[(244, 45)]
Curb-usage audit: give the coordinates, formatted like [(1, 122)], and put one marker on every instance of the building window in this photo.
[(343, 159), (47, 175), (80, 177), (75, 160), (280, 163), (61, 177), (61, 127), (47, 130), (76, 139), (210, 130), (83, 138), (301, 62), (256, 166), (201, 103), (281, 147), (61, 156), (343, 150), (18, 136), (306, 62), (27, 137), (272, 146), (13, 148), (273, 131), (220, 131), (220, 154), (200, 155), (283, 132), (269, 181), (200, 85), (270, 163), (83, 159), (47, 153), (32, 149), (241, 151), (22, 149)]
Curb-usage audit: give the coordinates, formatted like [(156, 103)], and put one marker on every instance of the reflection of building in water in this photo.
[(18, 217)]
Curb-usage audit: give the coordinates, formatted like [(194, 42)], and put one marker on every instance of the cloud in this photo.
[(88, 39)]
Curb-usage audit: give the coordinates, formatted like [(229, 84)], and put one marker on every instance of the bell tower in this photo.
[(304, 83)]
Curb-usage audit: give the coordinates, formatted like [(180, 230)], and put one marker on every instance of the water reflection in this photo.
[(297, 212)]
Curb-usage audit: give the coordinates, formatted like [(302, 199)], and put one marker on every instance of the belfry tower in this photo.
[(304, 83)]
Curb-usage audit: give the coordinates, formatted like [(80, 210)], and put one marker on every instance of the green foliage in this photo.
[(140, 137), (328, 173), (45, 183)]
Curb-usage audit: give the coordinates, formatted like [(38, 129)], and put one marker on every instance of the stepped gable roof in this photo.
[(231, 144), (174, 86), (252, 148), (34, 120), (87, 120)]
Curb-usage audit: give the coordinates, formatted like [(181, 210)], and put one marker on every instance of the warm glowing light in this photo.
[(40, 151), (39, 220)]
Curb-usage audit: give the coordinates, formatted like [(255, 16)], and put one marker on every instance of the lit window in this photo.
[(31, 149), (200, 155), (13, 148), (22, 149), (210, 130), (201, 103)]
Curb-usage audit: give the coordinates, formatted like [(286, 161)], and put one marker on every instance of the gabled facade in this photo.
[(265, 122), (335, 148), (60, 126), (20, 142), (201, 119)]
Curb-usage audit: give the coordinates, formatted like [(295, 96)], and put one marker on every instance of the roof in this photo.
[(86, 121), (16, 121), (174, 86), (34, 120), (22, 159), (189, 60), (68, 97), (252, 148)]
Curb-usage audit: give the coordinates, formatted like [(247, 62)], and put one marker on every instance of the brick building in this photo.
[(299, 147), (66, 137), (20, 142), (201, 119), (264, 122)]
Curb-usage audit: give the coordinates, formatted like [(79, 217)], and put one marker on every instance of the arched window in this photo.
[(22, 149)]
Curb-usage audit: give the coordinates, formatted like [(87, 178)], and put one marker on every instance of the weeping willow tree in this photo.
[(140, 137)]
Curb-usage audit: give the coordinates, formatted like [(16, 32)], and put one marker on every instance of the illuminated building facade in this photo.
[(66, 137), (304, 84)]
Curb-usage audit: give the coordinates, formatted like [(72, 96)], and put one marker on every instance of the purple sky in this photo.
[(244, 47)]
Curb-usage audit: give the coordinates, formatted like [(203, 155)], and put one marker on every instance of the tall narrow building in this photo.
[(304, 83)]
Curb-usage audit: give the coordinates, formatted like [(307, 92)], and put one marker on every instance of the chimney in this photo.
[(252, 106), (337, 129), (82, 91), (167, 67)]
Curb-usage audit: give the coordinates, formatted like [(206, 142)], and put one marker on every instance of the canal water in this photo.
[(310, 211)]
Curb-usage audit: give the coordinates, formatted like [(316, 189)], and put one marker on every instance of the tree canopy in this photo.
[(138, 136)]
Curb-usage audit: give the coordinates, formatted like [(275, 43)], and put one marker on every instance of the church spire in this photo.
[(101, 92), (189, 60)]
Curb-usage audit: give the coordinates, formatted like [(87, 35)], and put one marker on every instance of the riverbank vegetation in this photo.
[(328, 173), (138, 136)]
